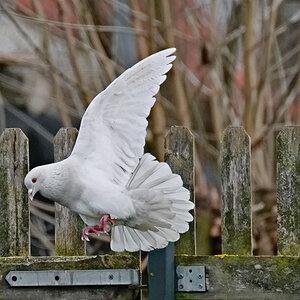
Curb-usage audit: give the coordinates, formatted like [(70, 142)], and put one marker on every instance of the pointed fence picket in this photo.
[(236, 192), (288, 182), (14, 208), (179, 154), (68, 225), (234, 275)]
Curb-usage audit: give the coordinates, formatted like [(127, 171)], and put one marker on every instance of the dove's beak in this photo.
[(30, 194)]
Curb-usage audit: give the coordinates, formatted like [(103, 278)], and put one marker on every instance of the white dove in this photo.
[(107, 175)]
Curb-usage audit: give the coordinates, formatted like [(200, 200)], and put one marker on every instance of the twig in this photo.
[(43, 206), (84, 93), (249, 63), (42, 215), (38, 50), (285, 100), (31, 122), (64, 115), (98, 46), (180, 95), (36, 232)]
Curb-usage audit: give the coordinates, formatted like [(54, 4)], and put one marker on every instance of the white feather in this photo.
[(116, 118), (160, 201)]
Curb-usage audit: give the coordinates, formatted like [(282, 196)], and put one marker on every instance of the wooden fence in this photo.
[(235, 274)]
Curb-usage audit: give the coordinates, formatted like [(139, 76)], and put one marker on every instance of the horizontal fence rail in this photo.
[(235, 274)]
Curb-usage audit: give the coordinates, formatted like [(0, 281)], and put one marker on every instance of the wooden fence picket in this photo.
[(14, 206), (236, 192), (68, 225), (179, 154), (288, 183)]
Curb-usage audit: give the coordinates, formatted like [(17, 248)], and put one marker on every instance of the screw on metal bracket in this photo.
[(129, 277), (191, 278)]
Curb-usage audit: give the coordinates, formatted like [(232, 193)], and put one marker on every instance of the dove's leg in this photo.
[(104, 221), (89, 229)]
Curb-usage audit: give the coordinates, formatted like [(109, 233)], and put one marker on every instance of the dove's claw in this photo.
[(105, 223), (89, 229)]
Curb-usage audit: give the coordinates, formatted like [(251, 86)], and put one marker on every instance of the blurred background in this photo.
[(237, 64)]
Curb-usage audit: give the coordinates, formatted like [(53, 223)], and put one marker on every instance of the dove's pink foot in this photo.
[(103, 223), (89, 229)]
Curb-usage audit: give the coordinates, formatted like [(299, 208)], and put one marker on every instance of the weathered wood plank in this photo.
[(14, 206), (246, 277), (236, 192), (66, 263), (288, 181), (179, 146), (68, 225)]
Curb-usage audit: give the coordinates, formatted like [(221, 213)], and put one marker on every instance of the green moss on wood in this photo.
[(236, 192), (14, 208), (68, 225), (66, 263), (288, 182), (246, 276), (180, 157)]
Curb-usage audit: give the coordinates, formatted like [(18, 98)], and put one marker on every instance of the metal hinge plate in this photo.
[(190, 278), (73, 277)]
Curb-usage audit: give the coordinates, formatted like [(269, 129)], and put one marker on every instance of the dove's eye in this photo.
[(33, 180)]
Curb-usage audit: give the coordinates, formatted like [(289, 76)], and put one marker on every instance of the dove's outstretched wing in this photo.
[(113, 128)]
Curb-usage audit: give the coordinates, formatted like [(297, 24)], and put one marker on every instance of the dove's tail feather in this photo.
[(162, 208)]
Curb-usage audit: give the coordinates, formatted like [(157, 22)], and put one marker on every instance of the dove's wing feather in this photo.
[(113, 128)]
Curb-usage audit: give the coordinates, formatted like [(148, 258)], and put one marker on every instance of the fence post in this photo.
[(236, 192), (288, 191), (14, 206), (179, 146), (68, 225)]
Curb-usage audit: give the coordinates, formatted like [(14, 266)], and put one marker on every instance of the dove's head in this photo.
[(33, 181)]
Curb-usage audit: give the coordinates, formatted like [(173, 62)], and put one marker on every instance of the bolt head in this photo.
[(181, 286)]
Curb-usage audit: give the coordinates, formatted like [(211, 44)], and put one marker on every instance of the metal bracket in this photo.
[(73, 277), (190, 278)]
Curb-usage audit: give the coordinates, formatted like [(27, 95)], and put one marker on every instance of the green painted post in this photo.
[(161, 274), (288, 190), (236, 192), (68, 225), (14, 206)]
